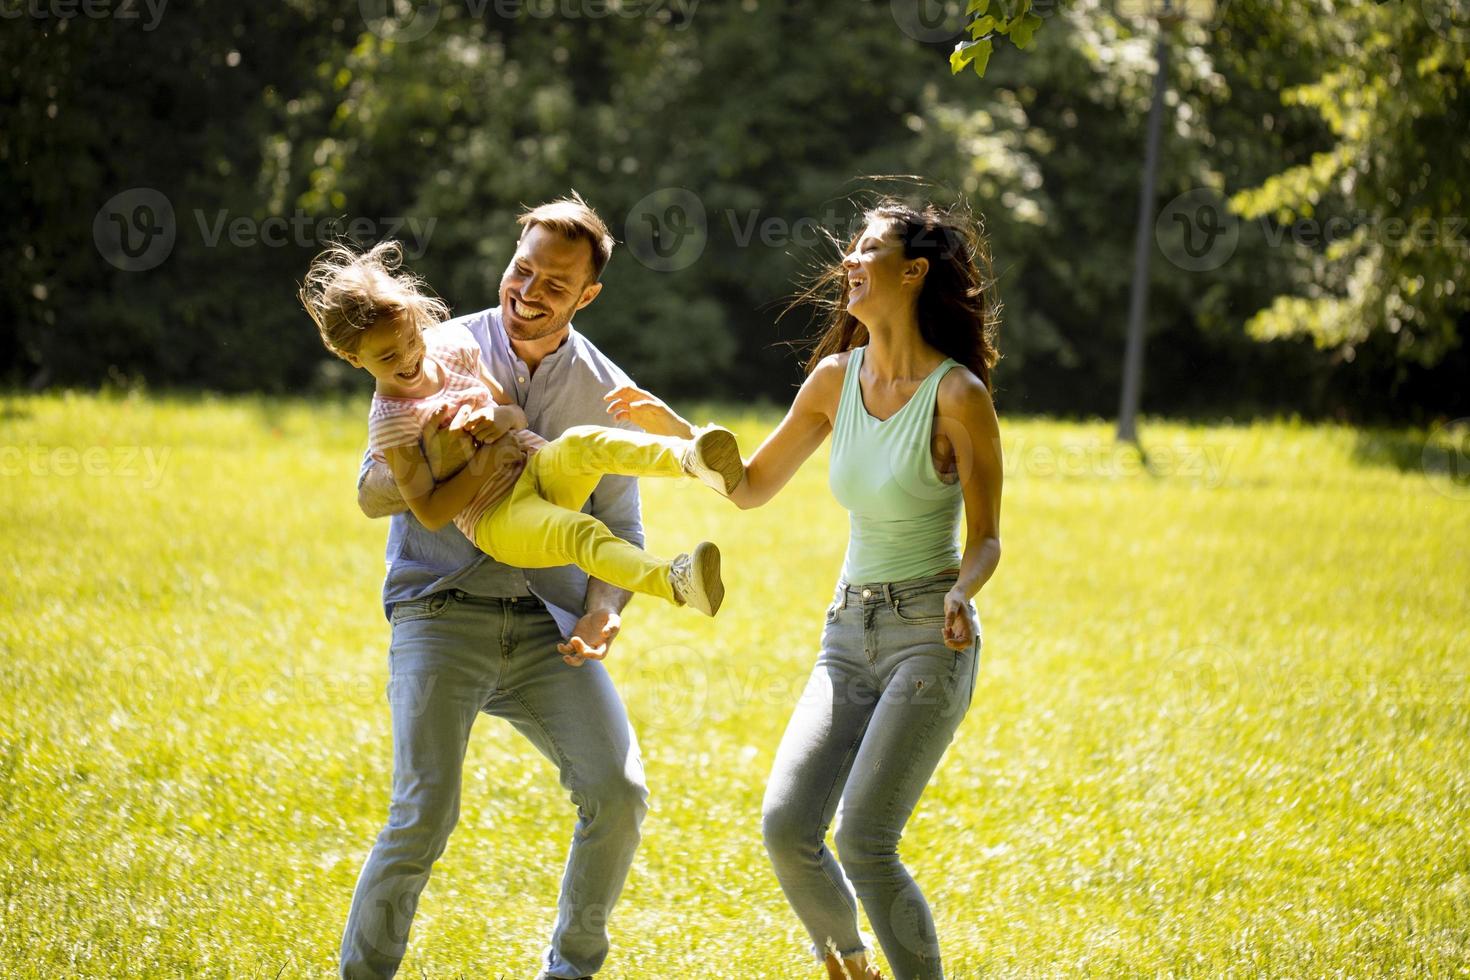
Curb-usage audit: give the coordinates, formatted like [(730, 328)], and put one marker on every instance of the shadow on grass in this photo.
[(1442, 452), (14, 411)]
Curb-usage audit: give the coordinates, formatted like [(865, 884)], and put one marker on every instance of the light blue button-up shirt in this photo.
[(566, 390)]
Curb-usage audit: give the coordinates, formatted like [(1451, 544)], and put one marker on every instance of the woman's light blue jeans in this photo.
[(881, 707)]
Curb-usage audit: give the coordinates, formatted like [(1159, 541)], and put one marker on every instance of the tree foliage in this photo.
[(1386, 201), (722, 143)]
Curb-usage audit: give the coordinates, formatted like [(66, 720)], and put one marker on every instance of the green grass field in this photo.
[(1222, 726)]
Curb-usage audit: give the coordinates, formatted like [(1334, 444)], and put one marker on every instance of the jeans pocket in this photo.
[(413, 610), (834, 607), (920, 609)]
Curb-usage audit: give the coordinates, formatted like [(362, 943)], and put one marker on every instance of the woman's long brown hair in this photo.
[(958, 307)]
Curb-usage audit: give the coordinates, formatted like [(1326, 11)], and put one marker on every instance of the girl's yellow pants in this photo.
[(540, 523)]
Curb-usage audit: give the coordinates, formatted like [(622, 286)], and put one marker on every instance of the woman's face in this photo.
[(879, 279)]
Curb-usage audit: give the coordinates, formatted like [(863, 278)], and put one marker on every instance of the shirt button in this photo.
[(521, 380), (867, 593)]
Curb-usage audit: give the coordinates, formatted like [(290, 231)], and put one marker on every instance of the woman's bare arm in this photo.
[(801, 431), (967, 419), (804, 428)]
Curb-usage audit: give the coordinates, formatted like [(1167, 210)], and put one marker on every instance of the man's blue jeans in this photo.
[(452, 657)]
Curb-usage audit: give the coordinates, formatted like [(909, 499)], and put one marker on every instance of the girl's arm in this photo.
[(967, 419), (505, 416), (435, 506), (803, 429)]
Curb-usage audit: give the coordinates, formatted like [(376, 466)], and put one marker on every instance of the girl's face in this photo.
[(392, 351), (880, 280)]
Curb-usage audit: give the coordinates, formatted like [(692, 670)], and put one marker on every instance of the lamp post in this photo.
[(1128, 403)]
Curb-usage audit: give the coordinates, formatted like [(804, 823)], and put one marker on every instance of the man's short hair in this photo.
[(573, 218)]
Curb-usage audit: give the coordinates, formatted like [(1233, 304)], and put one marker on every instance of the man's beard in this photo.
[(536, 329)]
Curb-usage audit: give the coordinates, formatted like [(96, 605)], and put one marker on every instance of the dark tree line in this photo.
[(168, 177)]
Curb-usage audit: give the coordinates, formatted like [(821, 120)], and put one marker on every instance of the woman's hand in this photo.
[(959, 623), (647, 411)]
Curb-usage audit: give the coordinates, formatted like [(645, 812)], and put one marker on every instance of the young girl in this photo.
[(381, 320)]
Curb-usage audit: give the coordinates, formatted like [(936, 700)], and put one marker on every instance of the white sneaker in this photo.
[(696, 579), (713, 458)]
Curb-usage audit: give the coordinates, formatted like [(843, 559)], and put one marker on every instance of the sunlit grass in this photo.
[(1222, 724)]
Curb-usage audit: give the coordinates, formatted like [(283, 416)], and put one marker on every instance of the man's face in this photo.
[(548, 279)]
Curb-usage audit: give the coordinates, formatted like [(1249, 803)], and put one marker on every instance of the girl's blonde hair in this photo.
[(347, 292)]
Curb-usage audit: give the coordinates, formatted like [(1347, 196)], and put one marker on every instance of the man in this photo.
[(471, 635)]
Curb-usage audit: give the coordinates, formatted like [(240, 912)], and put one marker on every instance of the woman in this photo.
[(900, 378)]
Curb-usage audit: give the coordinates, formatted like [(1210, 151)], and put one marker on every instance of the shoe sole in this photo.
[(719, 453), (709, 588)]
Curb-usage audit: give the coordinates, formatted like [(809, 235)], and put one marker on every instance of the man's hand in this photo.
[(377, 493), (591, 638)]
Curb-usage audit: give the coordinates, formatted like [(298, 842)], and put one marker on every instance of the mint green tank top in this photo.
[(905, 520)]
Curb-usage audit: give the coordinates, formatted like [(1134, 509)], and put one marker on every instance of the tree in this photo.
[(1377, 219)]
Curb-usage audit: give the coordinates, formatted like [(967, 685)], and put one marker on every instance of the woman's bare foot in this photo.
[(851, 968)]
